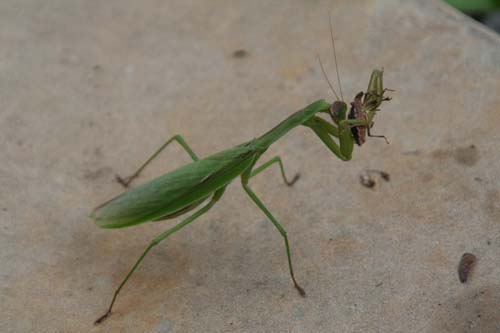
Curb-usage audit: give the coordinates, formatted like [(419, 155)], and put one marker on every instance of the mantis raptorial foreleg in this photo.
[(157, 240), (273, 160), (325, 132), (126, 181), (253, 196)]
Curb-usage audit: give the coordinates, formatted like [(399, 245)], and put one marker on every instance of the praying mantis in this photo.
[(204, 180)]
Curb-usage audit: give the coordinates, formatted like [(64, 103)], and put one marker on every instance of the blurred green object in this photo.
[(475, 6)]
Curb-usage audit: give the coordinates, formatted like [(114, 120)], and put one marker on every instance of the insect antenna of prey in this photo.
[(335, 56)]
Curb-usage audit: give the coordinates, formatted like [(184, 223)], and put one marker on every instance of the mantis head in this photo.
[(338, 111)]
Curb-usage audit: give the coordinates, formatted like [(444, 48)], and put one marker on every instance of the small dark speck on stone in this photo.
[(4, 209), (385, 176), (467, 155), (367, 182), (478, 179), (412, 152), (98, 151), (488, 242), (465, 266), (97, 68), (241, 53)]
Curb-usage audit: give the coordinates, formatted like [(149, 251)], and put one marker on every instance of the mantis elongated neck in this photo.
[(294, 120)]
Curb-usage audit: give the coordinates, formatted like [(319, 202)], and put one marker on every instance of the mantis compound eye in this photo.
[(338, 111)]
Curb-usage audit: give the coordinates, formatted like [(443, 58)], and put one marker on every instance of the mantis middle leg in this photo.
[(273, 160)]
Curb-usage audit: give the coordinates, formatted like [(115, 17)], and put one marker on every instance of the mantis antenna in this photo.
[(326, 77), (335, 56)]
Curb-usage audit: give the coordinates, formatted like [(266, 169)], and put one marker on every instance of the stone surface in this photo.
[(89, 88)]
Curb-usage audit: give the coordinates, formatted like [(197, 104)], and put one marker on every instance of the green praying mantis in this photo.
[(205, 180)]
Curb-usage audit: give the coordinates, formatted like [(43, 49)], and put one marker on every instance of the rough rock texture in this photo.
[(88, 89)]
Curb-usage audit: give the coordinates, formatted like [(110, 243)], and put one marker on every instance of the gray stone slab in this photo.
[(89, 88)]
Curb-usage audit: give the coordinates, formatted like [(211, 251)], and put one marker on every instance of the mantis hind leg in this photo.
[(273, 160), (126, 181), (278, 226), (217, 195)]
